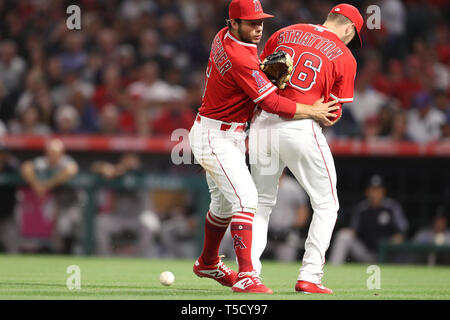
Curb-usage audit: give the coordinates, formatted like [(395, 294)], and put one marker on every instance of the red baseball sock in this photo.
[(241, 232), (215, 228)]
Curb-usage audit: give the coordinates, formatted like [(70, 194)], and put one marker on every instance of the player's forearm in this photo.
[(277, 104), (62, 177), (28, 173), (303, 111)]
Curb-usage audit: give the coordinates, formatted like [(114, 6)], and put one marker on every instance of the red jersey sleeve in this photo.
[(345, 81)]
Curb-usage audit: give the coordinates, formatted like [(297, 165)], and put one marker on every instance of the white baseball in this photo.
[(166, 278)]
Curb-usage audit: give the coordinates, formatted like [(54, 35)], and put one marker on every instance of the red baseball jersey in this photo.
[(323, 65), (234, 82)]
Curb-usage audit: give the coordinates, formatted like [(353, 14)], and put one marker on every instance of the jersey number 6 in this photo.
[(305, 71)]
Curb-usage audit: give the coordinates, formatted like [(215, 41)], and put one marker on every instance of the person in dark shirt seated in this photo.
[(377, 218)]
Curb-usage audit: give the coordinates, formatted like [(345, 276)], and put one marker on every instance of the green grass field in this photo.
[(44, 277)]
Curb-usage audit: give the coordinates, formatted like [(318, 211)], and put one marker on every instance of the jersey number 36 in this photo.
[(305, 71)]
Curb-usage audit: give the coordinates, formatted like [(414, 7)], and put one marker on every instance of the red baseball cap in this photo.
[(354, 16), (247, 10)]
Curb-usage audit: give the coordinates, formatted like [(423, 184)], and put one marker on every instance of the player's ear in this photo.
[(234, 23), (350, 29)]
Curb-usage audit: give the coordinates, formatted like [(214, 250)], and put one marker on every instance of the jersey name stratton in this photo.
[(308, 39)]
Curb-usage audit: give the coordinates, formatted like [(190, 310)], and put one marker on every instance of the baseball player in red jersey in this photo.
[(323, 66), (234, 85)]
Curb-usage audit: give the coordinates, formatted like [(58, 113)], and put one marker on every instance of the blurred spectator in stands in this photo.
[(124, 211), (421, 18), (34, 83), (173, 39), (127, 61), (439, 73), (94, 66), (393, 17), (371, 128), (74, 57), (373, 70), (110, 90), (367, 100), (412, 82), (442, 45), (174, 77), (385, 119), (134, 116), (150, 87), (66, 120), (425, 121), (442, 102), (149, 49), (398, 132), (195, 90), (109, 120), (287, 221), (36, 93), (35, 51), (107, 41), (290, 12), (375, 219), (44, 103), (435, 75), (393, 122), (12, 67), (72, 81), (346, 127), (386, 82), (445, 129), (48, 175), (87, 113), (28, 123), (53, 71), (175, 114), (131, 9), (437, 234), (9, 236)]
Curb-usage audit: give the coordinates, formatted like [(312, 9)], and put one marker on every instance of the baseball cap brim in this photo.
[(356, 42), (257, 16)]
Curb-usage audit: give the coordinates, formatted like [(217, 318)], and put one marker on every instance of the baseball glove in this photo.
[(278, 67)]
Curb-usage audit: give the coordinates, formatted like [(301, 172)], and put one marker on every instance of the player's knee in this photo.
[(250, 208), (247, 203), (327, 205), (220, 212), (222, 208)]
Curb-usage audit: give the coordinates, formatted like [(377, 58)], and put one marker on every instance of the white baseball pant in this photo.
[(219, 148), (275, 143)]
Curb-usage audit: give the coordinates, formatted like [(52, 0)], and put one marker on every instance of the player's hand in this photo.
[(318, 111), (323, 111)]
